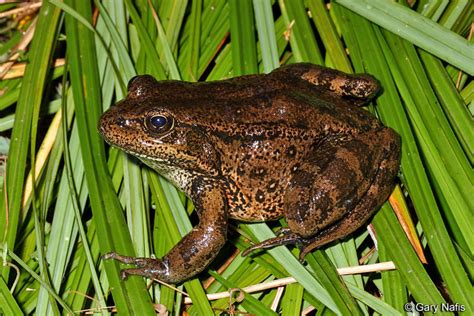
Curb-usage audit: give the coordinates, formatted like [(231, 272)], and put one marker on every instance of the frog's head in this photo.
[(152, 125)]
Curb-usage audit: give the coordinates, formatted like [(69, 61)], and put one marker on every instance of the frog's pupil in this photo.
[(158, 121)]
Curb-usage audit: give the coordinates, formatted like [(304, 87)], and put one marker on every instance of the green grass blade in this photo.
[(453, 105), (154, 63), (39, 279), (266, 34), (8, 304), (244, 50), (292, 300), (28, 103), (169, 58), (302, 40), (191, 72), (331, 40), (393, 287), (417, 29), (326, 273), (129, 296), (405, 259), (294, 268)]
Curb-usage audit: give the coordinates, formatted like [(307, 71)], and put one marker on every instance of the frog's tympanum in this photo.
[(293, 143)]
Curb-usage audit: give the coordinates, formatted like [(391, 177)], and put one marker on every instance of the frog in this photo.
[(295, 143)]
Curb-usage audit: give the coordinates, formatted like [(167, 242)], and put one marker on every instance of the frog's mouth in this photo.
[(127, 148)]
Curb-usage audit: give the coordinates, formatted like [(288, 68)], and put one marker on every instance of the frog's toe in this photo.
[(145, 272), (139, 262), (123, 274), (303, 252), (283, 231), (288, 238)]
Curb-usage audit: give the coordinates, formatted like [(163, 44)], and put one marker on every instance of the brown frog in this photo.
[(292, 143)]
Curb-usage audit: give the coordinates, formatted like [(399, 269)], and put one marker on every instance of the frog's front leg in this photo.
[(197, 249)]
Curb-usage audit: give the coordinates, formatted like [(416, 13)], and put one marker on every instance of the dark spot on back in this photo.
[(272, 186), (259, 196), (302, 123), (258, 172), (291, 151)]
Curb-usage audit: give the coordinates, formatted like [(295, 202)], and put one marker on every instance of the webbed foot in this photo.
[(147, 267)]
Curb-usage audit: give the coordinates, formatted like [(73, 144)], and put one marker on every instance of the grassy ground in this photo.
[(90, 199)]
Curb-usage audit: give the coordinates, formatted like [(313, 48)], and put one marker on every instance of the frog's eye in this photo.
[(159, 123)]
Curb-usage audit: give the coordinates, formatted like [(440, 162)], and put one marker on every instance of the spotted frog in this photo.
[(294, 143)]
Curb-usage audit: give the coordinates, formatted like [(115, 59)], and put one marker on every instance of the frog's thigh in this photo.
[(375, 196), (334, 180)]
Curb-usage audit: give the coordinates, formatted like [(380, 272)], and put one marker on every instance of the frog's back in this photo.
[(288, 97)]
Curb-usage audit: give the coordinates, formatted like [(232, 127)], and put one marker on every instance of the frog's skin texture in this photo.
[(292, 143)]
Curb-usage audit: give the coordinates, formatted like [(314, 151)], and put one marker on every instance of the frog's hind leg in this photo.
[(339, 188), (374, 197)]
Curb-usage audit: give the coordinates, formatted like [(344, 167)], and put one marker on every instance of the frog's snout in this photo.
[(108, 122)]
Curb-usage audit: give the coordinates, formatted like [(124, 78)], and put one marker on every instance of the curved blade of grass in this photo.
[(35, 276), (28, 106), (129, 296), (125, 63), (417, 29)]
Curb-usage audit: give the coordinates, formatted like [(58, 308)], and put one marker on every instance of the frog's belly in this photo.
[(256, 208)]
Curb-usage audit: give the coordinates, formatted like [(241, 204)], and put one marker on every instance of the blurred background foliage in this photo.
[(64, 62)]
